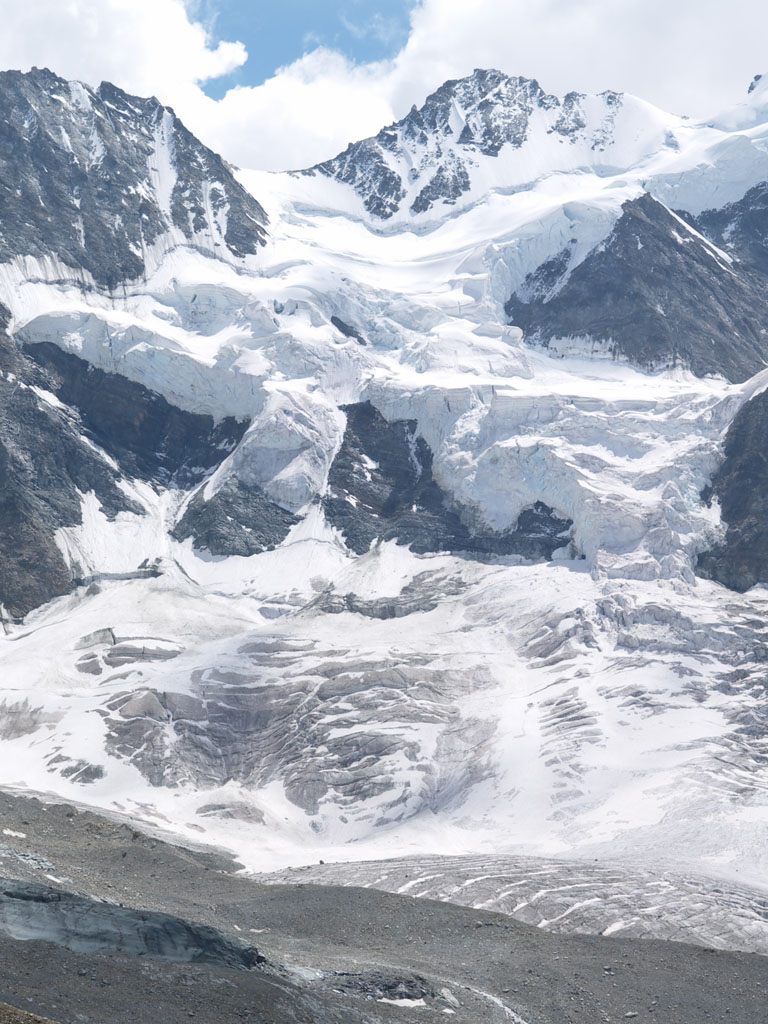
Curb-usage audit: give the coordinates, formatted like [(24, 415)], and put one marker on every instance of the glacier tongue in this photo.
[(450, 706)]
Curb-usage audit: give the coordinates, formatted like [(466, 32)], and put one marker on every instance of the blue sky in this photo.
[(278, 32)]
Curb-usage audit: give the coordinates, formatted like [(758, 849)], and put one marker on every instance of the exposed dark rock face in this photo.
[(657, 294), (381, 487), (741, 483), (347, 330), (741, 228), (362, 166), (148, 437), (44, 467), (431, 150), (741, 487), (237, 520), (47, 464), (95, 176), (447, 184)]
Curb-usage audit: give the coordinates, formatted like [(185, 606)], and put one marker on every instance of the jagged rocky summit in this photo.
[(430, 159), (98, 179)]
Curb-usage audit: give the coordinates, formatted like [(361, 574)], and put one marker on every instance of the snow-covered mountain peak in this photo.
[(482, 112), (492, 131), (114, 182)]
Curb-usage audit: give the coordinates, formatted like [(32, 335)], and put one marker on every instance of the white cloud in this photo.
[(305, 113), (386, 30), (691, 56), (145, 46)]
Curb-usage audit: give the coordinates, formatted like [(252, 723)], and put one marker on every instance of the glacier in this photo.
[(309, 702)]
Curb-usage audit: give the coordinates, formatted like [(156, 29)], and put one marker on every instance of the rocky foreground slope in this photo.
[(412, 505), (301, 953)]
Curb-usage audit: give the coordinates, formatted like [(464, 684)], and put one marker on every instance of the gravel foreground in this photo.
[(321, 954), (10, 1015)]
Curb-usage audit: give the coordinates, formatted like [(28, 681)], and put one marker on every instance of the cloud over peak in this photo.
[(695, 57)]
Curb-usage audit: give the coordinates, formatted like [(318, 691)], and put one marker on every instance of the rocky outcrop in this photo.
[(741, 487), (147, 436), (68, 429), (347, 330), (656, 292), (45, 467), (96, 177), (381, 487), (236, 520), (427, 159), (741, 228)]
